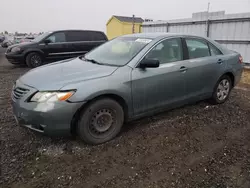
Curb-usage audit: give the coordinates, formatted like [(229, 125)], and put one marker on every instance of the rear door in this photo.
[(204, 66), (57, 48), (82, 42), (78, 42)]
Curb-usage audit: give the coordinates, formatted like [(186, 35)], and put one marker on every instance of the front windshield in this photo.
[(119, 51), (41, 37)]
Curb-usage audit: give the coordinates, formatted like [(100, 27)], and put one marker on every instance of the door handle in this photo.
[(219, 61), (183, 69)]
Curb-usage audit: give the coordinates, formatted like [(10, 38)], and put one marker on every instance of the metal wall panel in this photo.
[(231, 30), (149, 29), (196, 29), (243, 49)]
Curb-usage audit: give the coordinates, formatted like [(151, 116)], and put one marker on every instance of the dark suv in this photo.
[(56, 45)]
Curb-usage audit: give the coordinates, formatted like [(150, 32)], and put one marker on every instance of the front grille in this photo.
[(19, 92)]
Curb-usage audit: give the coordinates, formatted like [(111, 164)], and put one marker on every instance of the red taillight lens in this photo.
[(240, 59)]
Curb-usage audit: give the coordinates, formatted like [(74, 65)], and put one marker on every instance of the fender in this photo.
[(116, 94), (27, 51)]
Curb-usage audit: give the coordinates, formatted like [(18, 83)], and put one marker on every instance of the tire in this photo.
[(34, 60), (222, 90), (100, 121)]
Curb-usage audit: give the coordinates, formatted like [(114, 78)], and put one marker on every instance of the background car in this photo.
[(9, 40), (27, 39), (56, 45), (124, 79), (2, 38), (17, 39)]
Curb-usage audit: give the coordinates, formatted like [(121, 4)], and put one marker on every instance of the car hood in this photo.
[(23, 44), (57, 75)]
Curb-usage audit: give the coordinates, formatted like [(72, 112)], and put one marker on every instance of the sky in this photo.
[(45, 15)]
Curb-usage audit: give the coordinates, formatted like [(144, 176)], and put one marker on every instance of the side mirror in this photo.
[(149, 63), (47, 41)]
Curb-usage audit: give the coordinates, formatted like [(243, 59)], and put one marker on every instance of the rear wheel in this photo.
[(100, 121), (222, 90), (34, 60)]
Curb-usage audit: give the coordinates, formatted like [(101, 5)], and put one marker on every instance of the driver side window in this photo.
[(169, 50), (57, 37)]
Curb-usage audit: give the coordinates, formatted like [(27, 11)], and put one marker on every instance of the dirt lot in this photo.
[(195, 146), (246, 76)]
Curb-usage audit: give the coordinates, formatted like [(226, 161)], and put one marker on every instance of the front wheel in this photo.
[(34, 60), (100, 121), (222, 90)]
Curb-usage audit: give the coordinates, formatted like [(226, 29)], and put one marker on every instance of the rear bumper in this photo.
[(15, 59)]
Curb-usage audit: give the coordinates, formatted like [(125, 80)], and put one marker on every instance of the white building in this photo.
[(231, 30)]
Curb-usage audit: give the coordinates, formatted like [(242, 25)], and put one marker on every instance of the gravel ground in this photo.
[(2, 50), (193, 146), (246, 76)]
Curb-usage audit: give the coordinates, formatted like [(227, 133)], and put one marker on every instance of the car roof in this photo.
[(162, 35), (64, 30), (158, 35)]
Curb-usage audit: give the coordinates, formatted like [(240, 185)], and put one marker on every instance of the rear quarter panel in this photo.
[(231, 59), (233, 66)]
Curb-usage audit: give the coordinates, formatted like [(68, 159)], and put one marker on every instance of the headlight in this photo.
[(51, 96), (16, 49)]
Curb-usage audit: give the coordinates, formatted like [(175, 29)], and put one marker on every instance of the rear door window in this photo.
[(74, 36), (197, 48)]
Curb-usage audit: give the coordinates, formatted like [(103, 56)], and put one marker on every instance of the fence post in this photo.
[(167, 27), (208, 6), (208, 26), (133, 26)]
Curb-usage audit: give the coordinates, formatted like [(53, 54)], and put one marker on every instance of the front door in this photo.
[(155, 88), (57, 48)]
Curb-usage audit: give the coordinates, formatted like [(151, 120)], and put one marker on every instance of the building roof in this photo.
[(129, 19)]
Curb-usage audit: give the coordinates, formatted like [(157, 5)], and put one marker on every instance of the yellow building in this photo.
[(121, 25)]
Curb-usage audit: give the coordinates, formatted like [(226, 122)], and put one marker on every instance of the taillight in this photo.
[(240, 59)]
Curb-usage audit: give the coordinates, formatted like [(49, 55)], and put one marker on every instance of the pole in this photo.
[(133, 26), (207, 24)]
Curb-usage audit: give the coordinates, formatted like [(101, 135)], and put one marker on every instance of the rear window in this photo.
[(97, 36)]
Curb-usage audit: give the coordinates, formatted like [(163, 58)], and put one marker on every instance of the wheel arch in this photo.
[(120, 100), (231, 76), (40, 52)]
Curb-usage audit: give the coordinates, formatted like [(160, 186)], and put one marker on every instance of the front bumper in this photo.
[(15, 58), (47, 118)]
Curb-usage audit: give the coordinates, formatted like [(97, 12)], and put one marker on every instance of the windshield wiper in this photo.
[(92, 61), (97, 62)]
